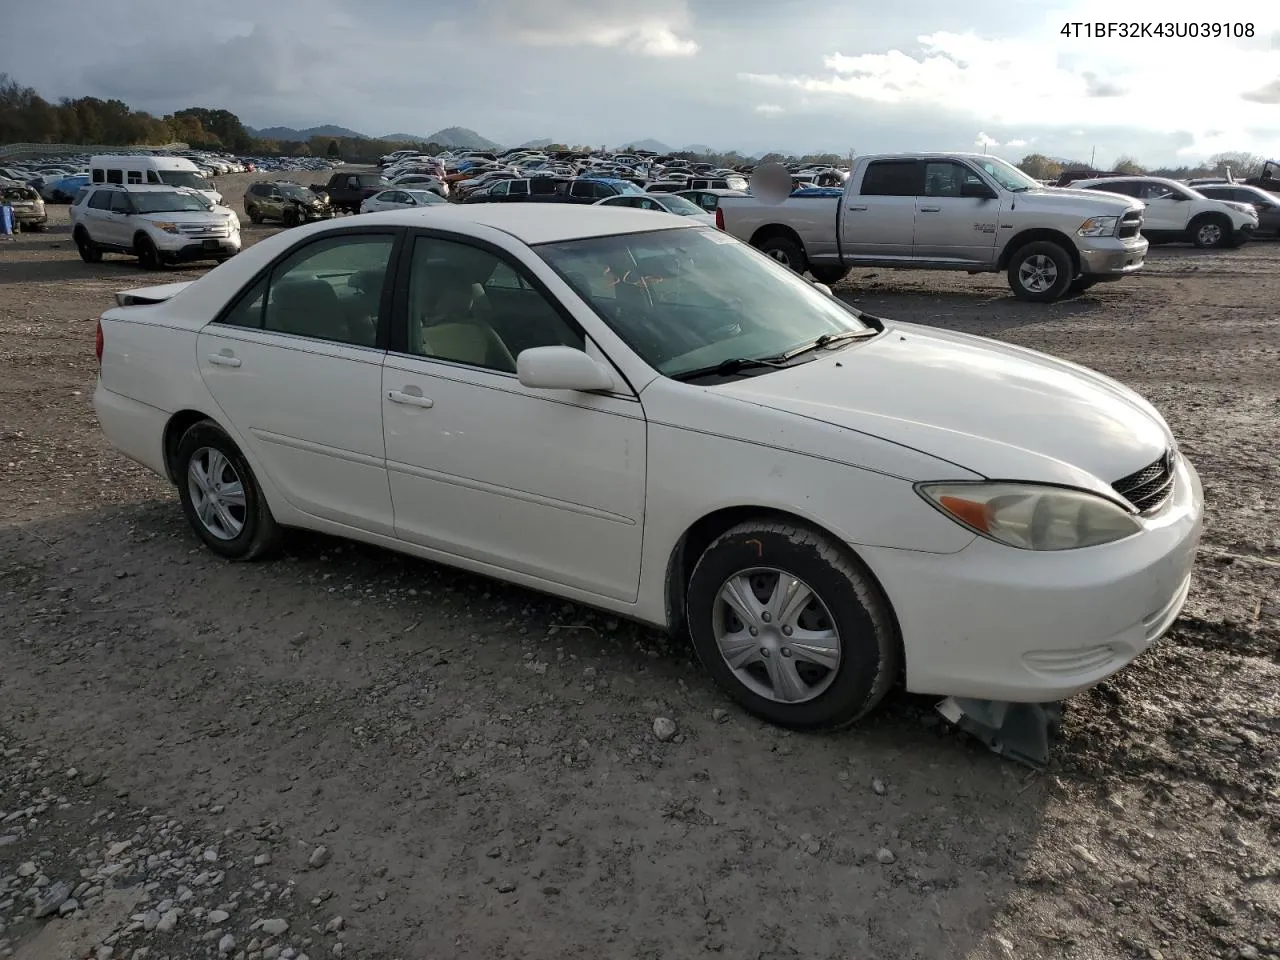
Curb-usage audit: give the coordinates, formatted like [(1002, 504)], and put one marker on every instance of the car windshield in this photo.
[(1007, 175), (168, 201), (183, 178), (689, 299), (295, 192), (680, 205), (425, 196)]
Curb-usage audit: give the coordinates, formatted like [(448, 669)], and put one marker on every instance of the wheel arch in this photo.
[(179, 424), (701, 533), (772, 230), (1034, 235)]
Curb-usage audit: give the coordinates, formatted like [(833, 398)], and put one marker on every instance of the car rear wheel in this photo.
[(1040, 272), (88, 250), (221, 497), (791, 627), (255, 215)]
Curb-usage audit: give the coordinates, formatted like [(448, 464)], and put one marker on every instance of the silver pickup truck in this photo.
[(949, 211)]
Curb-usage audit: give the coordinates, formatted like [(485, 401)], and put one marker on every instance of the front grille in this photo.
[(200, 230), (1147, 489), (1130, 224)]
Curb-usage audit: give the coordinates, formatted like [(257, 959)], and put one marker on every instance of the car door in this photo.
[(878, 221), (120, 219), (950, 227), (545, 483), (295, 364), (96, 216), (1166, 210)]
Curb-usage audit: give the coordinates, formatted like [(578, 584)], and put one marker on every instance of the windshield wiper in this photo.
[(827, 339), (731, 366)]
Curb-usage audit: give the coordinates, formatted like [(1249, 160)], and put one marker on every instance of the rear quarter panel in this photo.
[(812, 219)]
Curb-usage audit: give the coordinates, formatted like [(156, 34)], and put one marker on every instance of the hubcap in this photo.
[(1038, 274), (217, 493), (1210, 233), (776, 635)]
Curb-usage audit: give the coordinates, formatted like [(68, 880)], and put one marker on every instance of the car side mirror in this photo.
[(976, 191), (562, 368)]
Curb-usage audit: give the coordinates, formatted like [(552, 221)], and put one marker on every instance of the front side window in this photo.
[(120, 203), (946, 178), (101, 200), (687, 299), (469, 306), (329, 290)]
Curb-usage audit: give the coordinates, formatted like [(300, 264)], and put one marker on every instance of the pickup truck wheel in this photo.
[(790, 626), (829, 275), (220, 495), (786, 252), (89, 251), (1210, 232), (1040, 272)]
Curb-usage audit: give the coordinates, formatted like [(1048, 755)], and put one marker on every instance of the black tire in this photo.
[(259, 532), (786, 251), (1081, 284), (870, 651), (148, 255), (828, 275), (35, 227), (88, 250), (1210, 231), (255, 215), (290, 217), (1045, 260)]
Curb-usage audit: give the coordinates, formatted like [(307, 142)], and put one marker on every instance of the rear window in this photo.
[(16, 194)]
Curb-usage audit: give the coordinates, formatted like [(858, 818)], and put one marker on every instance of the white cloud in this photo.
[(1016, 142), (984, 142), (1148, 84), (655, 31), (769, 109)]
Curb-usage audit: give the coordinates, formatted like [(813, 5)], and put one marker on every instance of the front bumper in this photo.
[(995, 623), (191, 248), (1109, 258)]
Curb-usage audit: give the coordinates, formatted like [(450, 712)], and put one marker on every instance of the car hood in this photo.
[(997, 410), (1052, 198)]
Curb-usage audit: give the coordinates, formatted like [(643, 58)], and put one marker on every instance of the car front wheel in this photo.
[(1040, 272), (221, 497), (791, 627)]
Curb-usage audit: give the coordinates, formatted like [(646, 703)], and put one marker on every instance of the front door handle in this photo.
[(858, 208), (223, 360), (413, 400), (930, 209)]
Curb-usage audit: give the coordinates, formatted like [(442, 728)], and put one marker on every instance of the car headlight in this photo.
[(1098, 227), (1032, 516), (165, 225)]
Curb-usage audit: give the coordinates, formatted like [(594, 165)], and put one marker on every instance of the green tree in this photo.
[(333, 150), (1039, 167), (1128, 165)]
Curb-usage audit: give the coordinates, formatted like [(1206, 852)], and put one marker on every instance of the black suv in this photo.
[(288, 202)]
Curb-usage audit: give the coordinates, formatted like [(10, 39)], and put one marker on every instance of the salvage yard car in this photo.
[(158, 225), (952, 211), (28, 207), (632, 410), (1176, 212)]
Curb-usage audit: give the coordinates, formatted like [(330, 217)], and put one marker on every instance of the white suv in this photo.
[(1177, 212), (157, 224)]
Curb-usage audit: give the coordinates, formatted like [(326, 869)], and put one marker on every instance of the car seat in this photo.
[(307, 308)]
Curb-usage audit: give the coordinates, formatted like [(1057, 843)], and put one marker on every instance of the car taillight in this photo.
[(98, 343), (719, 219)]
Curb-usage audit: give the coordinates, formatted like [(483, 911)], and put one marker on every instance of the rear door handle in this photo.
[(413, 400), (858, 208), (930, 209), (222, 360)]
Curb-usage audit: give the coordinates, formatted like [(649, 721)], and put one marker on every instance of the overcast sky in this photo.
[(796, 75)]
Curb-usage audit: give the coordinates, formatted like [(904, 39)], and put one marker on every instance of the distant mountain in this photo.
[(291, 133), (404, 138), (461, 137), (537, 144), (656, 146)]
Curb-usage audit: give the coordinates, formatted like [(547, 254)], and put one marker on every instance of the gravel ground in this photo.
[(348, 752)]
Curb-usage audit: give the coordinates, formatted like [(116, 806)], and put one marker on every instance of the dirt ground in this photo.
[(179, 737)]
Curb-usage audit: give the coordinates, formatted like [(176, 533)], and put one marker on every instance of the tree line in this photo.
[(1241, 165)]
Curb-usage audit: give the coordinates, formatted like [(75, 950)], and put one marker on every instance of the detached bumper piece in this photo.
[(1021, 732)]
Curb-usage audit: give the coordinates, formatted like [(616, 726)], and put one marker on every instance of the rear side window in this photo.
[(115, 176), (891, 178), (135, 176)]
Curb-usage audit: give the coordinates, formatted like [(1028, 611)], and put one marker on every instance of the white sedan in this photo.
[(660, 203), (400, 198), (637, 412)]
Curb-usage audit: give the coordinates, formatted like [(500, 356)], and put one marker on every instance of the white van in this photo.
[(146, 169)]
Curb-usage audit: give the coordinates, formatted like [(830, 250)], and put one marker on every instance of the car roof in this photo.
[(139, 187), (534, 223)]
